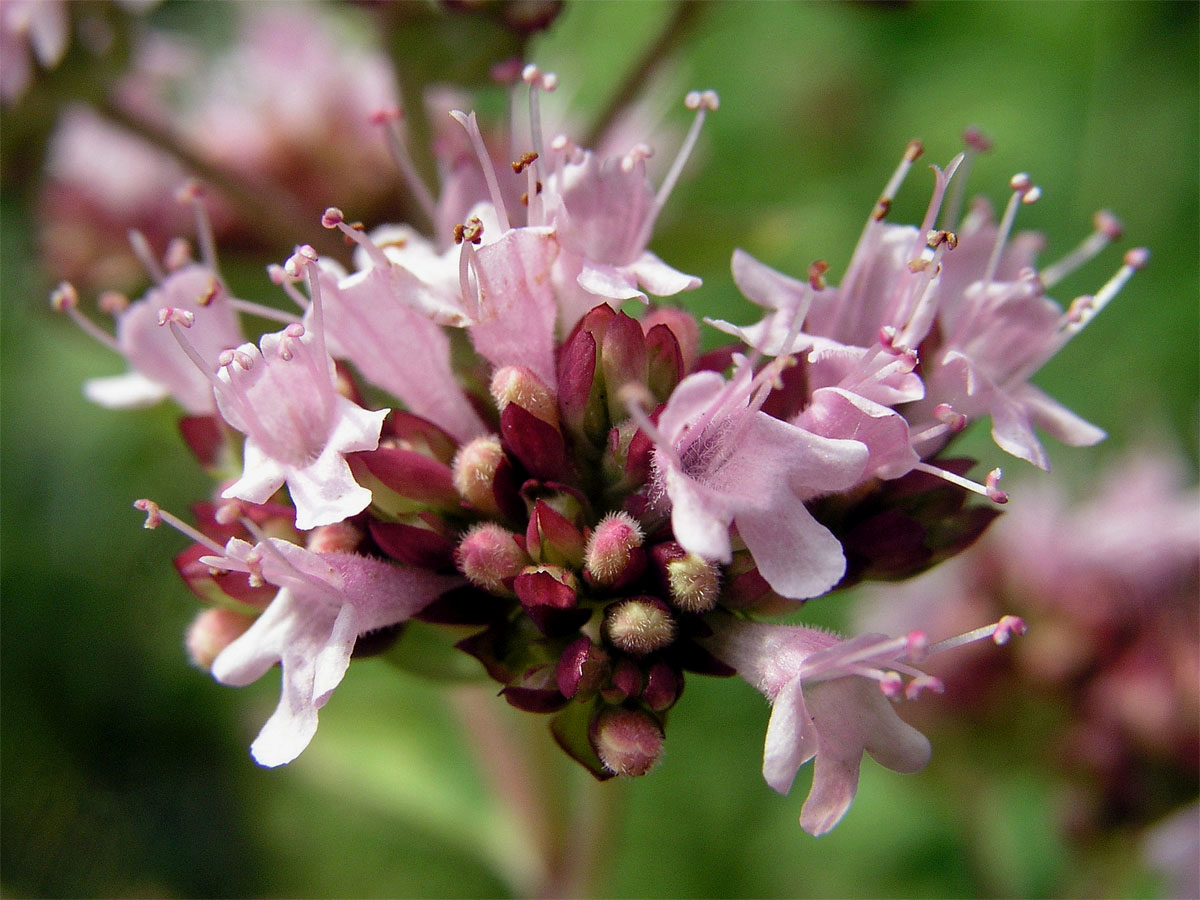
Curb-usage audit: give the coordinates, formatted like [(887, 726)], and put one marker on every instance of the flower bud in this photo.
[(622, 361), (405, 481), (581, 395), (582, 668), (639, 625), (340, 537), (517, 384), (551, 586), (551, 537), (613, 557), (474, 472), (665, 362), (628, 741), (490, 556), (663, 687), (211, 632), (627, 681), (693, 583)]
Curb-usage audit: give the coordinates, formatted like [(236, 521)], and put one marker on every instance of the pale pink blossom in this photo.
[(325, 602)]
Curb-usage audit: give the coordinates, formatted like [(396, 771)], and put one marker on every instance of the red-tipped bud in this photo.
[(211, 632), (474, 473), (683, 327), (582, 669), (693, 583), (405, 481), (553, 538), (623, 361), (613, 557), (663, 687), (665, 363), (628, 741), (639, 625), (517, 384), (489, 556), (549, 586)]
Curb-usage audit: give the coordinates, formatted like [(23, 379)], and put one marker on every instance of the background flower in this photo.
[(1098, 102)]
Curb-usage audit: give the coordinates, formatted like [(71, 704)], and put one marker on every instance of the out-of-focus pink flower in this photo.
[(29, 30)]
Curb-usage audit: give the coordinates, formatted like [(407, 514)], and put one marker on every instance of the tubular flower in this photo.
[(597, 505)]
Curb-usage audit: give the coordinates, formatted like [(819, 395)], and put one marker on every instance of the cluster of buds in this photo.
[(599, 505)]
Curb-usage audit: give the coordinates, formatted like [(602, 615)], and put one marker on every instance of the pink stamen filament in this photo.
[(193, 196), (333, 218), (155, 514), (471, 126), (251, 308), (397, 141), (1107, 230), (145, 254), (990, 491), (472, 298), (65, 300), (1022, 189)]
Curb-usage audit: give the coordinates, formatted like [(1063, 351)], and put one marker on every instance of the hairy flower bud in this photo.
[(639, 625), (475, 468), (613, 556), (489, 556), (628, 741)]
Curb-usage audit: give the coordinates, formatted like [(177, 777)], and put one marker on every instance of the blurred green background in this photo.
[(126, 772)]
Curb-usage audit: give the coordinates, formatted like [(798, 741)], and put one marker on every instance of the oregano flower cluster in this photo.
[(493, 429)]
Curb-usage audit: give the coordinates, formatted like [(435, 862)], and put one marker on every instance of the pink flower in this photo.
[(829, 700), (721, 461), (29, 29), (325, 602), (282, 395), (158, 368)]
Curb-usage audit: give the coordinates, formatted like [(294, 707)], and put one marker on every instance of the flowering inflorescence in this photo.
[(600, 504)]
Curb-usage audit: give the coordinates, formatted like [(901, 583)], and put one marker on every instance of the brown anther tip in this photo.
[(914, 150), (526, 160), (951, 239), (64, 297), (471, 232), (816, 274), (882, 208), (458, 233), (211, 294)]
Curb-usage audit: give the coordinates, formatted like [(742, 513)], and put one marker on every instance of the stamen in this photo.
[(145, 254), (702, 102), (977, 142), (816, 275), (471, 126), (392, 122), (989, 489), (1024, 191), (178, 255), (251, 308), (155, 516), (65, 299), (1107, 229), (466, 263), (884, 204), (923, 683), (334, 218), (279, 276), (192, 194), (1000, 632)]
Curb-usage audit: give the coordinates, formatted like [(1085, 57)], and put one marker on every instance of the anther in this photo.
[(1137, 258), (332, 217), (923, 683), (520, 165), (1007, 627), (948, 416), (976, 139), (992, 486), (913, 151), (178, 255), (891, 684), (1021, 182), (1108, 224), (816, 274), (471, 232), (177, 316), (917, 645), (211, 293), (64, 297), (152, 511), (228, 512), (112, 302)]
